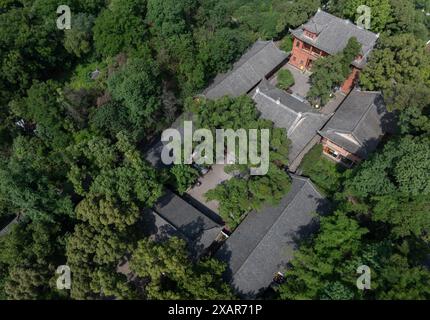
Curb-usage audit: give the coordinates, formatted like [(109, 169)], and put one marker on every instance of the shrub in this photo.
[(285, 79)]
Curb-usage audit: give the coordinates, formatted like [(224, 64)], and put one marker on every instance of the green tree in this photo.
[(171, 274), (414, 120), (110, 119), (32, 181), (328, 257), (287, 44), (408, 216), (401, 281), (137, 87), (393, 186), (118, 189), (42, 108), (78, 40), (218, 49), (268, 19), (25, 284), (169, 17), (402, 166), (398, 67), (326, 174), (285, 79), (31, 46), (29, 254), (120, 27), (407, 18), (238, 196), (92, 257), (331, 71), (234, 199), (226, 113), (91, 6), (183, 177)]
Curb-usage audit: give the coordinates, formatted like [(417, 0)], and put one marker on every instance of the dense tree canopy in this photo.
[(387, 16), (120, 26), (78, 107), (171, 275), (399, 66), (137, 87), (183, 177)]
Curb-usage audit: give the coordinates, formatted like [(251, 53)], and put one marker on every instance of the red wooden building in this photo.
[(325, 34)]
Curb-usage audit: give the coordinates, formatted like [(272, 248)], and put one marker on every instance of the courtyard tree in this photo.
[(285, 79), (78, 40), (137, 87)]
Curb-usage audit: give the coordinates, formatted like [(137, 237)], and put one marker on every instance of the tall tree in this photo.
[(329, 72), (171, 274), (399, 66), (120, 27), (138, 87), (78, 40)]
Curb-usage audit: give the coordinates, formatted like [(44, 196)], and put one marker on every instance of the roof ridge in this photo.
[(240, 65), (275, 101), (198, 211), (265, 42), (308, 180), (165, 219)]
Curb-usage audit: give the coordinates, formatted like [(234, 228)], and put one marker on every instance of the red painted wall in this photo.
[(350, 82), (299, 57)]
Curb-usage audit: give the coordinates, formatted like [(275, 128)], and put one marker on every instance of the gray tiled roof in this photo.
[(299, 118), (172, 215), (158, 228), (259, 61), (8, 227), (264, 242), (359, 123), (333, 34)]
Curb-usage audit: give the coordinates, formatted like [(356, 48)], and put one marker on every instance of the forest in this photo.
[(79, 107)]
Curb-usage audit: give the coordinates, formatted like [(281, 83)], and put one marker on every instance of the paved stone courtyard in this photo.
[(301, 81), (209, 181)]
